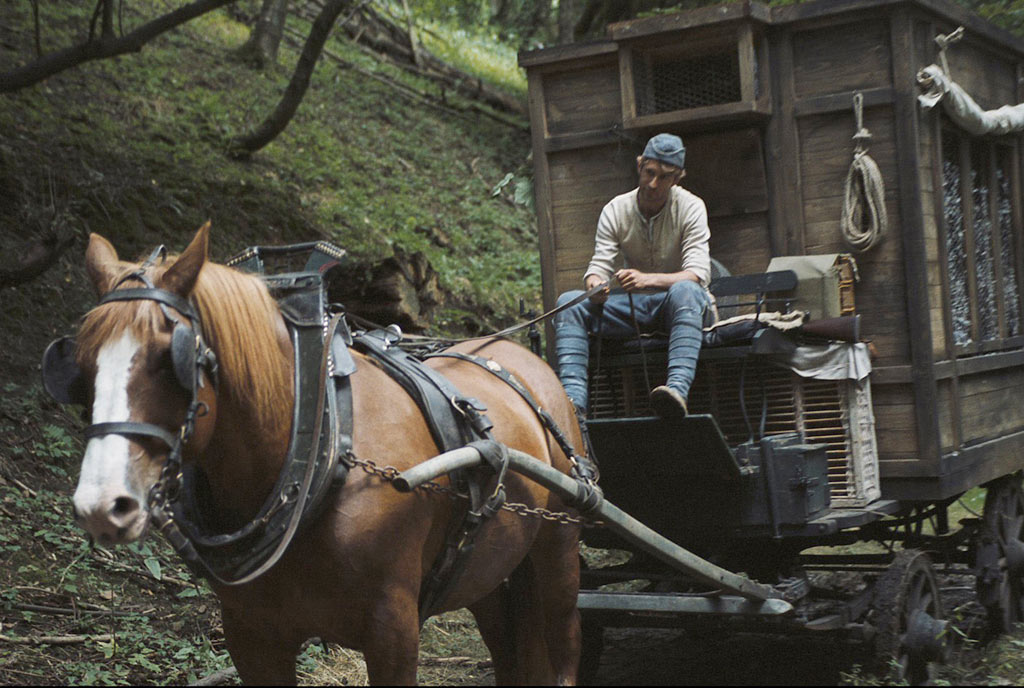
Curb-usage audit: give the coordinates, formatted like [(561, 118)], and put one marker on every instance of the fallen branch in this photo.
[(216, 678), (164, 578), (447, 661), (383, 43), (56, 639), (24, 488), (45, 609), (410, 92)]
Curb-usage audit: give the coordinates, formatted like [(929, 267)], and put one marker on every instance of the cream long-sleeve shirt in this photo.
[(673, 240)]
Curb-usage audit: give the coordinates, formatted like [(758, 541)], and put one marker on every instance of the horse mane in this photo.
[(239, 319)]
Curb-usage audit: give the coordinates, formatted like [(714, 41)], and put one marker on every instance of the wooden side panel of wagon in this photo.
[(769, 150)]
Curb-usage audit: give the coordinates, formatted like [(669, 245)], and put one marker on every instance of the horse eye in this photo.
[(163, 363)]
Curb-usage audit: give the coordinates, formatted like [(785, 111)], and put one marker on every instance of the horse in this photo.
[(354, 575)]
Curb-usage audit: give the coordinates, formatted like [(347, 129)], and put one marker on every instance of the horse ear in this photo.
[(181, 277), (101, 263)]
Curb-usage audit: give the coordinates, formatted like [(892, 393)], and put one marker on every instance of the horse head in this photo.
[(134, 351)]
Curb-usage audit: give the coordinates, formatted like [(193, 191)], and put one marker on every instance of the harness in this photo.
[(319, 452), (321, 435), (321, 426)]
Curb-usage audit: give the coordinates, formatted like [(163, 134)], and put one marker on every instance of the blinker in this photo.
[(62, 378)]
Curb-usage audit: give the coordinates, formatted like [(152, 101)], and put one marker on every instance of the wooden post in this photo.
[(914, 248), (542, 199), (782, 148)]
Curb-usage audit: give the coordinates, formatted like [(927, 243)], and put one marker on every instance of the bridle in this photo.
[(191, 358)]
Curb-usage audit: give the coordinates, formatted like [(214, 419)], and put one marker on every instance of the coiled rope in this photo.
[(864, 219)]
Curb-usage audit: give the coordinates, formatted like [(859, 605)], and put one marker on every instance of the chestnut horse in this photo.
[(353, 576)]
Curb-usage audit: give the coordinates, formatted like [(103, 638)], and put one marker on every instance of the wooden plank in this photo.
[(741, 243), (702, 18), (614, 161), (950, 422), (714, 163), (542, 199), (989, 78), (582, 100), (561, 54), (844, 57), (699, 118), (838, 102), (627, 86), (834, 10), (782, 153), (584, 139), (991, 414), (747, 62), (917, 306), (973, 466)]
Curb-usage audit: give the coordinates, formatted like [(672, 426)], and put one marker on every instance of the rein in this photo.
[(446, 341)]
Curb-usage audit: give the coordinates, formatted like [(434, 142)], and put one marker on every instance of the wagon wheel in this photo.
[(907, 614), (999, 554)]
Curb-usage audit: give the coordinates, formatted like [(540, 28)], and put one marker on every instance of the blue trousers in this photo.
[(681, 312)]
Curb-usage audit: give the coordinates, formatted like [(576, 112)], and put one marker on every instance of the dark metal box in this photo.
[(790, 485)]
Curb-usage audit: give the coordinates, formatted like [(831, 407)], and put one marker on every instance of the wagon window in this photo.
[(981, 216)]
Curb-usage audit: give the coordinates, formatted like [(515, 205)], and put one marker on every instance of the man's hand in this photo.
[(591, 282), (634, 280)]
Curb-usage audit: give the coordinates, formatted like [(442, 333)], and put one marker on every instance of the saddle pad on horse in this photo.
[(453, 419)]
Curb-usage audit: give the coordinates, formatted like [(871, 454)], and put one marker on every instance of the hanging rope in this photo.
[(864, 219)]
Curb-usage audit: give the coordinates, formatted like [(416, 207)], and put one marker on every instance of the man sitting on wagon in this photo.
[(660, 230)]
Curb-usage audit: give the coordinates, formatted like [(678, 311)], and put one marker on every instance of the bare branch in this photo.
[(56, 639), (107, 46), (292, 98), (216, 678)]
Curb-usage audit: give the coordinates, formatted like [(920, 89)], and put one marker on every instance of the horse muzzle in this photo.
[(111, 517)]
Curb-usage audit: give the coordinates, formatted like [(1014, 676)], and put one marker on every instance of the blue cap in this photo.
[(666, 148)]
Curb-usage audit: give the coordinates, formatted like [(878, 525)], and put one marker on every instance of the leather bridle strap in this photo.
[(152, 294), (132, 428)]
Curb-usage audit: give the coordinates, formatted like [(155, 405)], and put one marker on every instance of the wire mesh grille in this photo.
[(682, 83), (815, 408)]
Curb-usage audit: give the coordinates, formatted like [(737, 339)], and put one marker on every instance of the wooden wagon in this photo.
[(766, 101)]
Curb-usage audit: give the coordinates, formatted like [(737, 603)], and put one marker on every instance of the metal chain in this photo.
[(390, 473)]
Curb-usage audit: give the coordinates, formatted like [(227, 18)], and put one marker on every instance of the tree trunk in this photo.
[(293, 95), (539, 15), (566, 12), (261, 48)]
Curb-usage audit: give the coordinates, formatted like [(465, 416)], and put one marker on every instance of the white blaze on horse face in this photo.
[(105, 485)]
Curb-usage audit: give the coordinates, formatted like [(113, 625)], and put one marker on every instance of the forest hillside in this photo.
[(414, 179), (413, 159)]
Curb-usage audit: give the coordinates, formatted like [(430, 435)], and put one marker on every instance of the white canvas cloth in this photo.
[(832, 361)]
